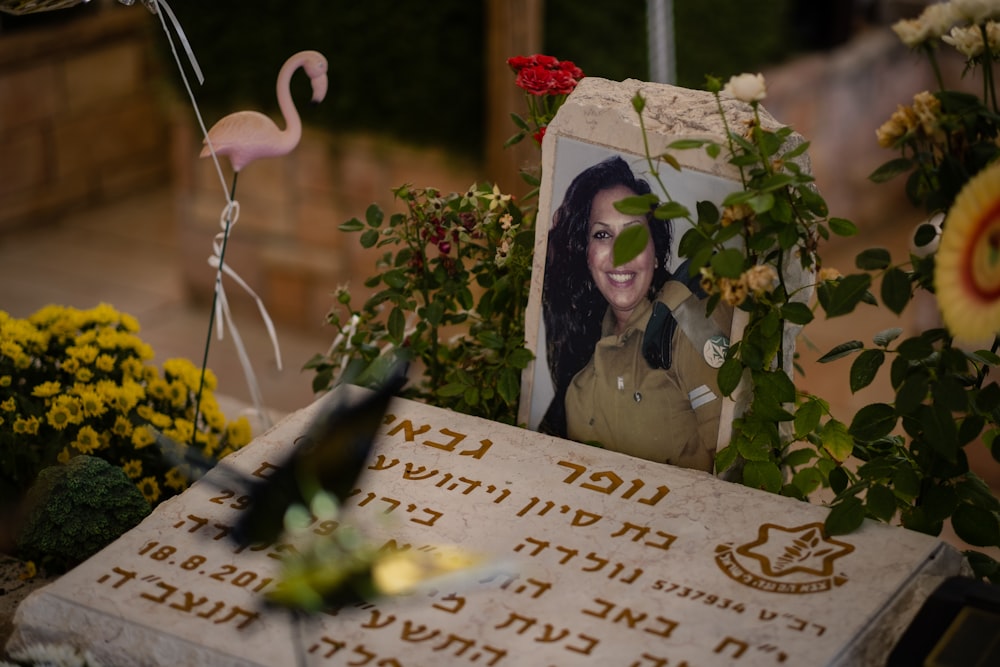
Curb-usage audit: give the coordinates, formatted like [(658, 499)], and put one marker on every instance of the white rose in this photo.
[(910, 31), (938, 18), (746, 87), (968, 40), (993, 36), (977, 11)]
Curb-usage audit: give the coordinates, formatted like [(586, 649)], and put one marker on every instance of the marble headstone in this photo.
[(603, 559)]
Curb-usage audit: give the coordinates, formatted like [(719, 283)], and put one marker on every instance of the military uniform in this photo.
[(668, 412)]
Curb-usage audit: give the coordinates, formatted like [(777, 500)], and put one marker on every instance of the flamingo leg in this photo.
[(211, 318)]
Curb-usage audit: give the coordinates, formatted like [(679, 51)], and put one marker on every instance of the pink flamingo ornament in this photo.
[(245, 136)]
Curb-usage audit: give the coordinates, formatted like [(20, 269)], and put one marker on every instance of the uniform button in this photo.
[(637, 397)]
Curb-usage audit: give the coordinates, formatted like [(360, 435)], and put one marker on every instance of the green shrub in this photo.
[(75, 509)]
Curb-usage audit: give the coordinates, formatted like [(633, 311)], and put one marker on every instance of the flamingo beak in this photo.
[(319, 88)]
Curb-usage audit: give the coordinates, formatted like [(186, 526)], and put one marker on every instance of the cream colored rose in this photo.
[(938, 18), (761, 278), (910, 31), (829, 273), (747, 87), (967, 40), (976, 11)]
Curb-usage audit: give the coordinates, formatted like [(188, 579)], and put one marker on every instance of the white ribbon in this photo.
[(229, 215)]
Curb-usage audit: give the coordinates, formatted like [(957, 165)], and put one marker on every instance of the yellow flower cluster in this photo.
[(81, 382), (757, 280), (922, 120)]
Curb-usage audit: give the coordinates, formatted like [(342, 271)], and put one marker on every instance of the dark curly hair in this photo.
[(572, 306)]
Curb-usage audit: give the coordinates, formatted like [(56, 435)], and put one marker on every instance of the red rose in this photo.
[(574, 71), (540, 134), (545, 61), (518, 63), (535, 79), (561, 82)]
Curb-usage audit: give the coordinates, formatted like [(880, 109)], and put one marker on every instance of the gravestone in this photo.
[(603, 559)]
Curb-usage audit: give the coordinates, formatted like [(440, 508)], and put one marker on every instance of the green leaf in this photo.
[(509, 385), (873, 421), (490, 340), (727, 263), (842, 350), (807, 418), (761, 203), (940, 430), (395, 279), (637, 204), (891, 169), (842, 227), (684, 144), (807, 480), (374, 215), (912, 393), (713, 150), (670, 210), (708, 213), (915, 349), (369, 238), (906, 483), (873, 259), (847, 293), (520, 358), (836, 440), (629, 244), (396, 325), (352, 225), (763, 475), (865, 368), (976, 525), (797, 312), (729, 376), (896, 289), (845, 517), (798, 457), (452, 389), (881, 503)]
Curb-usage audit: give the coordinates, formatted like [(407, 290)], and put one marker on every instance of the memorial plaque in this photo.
[(601, 559)]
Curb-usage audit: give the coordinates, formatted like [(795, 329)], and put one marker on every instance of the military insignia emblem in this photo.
[(796, 560), (715, 349)]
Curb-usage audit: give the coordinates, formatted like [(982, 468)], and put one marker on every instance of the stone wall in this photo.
[(79, 118), (286, 243)]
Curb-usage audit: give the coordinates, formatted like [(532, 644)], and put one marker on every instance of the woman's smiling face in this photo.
[(625, 286)]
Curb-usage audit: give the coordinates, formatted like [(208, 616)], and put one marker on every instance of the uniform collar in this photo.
[(672, 294)]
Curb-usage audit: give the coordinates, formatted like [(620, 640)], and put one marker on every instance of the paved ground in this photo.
[(125, 254)]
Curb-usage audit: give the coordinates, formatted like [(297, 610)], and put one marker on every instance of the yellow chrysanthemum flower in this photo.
[(46, 389), (58, 417), (133, 468), (87, 440), (64, 456), (967, 266), (175, 479), (122, 427), (5, 380), (9, 405), (142, 437), (149, 488), (26, 426), (92, 404), (105, 363)]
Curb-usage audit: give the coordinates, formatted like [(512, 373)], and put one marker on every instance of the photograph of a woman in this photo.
[(632, 356)]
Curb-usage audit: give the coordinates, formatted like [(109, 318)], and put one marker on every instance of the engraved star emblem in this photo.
[(782, 551)]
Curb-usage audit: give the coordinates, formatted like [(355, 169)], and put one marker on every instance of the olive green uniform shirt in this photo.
[(667, 415)]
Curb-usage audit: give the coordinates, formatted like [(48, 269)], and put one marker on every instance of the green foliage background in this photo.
[(416, 70)]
